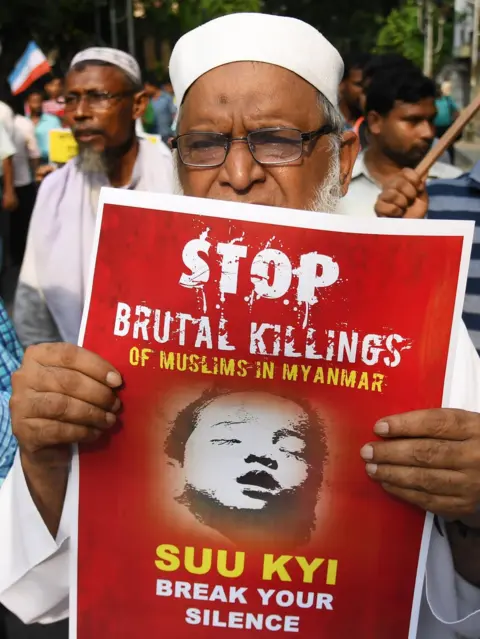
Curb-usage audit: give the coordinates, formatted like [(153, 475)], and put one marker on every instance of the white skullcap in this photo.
[(120, 59), (257, 37)]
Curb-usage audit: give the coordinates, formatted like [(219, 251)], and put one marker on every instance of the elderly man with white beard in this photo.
[(103, 100), (258, 124)]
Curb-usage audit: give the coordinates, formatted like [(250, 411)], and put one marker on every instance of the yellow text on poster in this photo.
[(62, 146)]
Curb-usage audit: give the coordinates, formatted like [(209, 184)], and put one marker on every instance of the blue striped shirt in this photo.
[(11, 355), (459, 199)]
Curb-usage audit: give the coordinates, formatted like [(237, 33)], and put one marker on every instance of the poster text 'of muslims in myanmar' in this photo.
[(258, 349)]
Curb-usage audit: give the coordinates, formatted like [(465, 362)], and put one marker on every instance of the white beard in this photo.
[(90, 161), (327, 195)]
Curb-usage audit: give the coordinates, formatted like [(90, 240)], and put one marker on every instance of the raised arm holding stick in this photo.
[(405, 195)]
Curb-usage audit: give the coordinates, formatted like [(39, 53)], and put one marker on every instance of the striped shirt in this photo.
[(459, 199), (11, 355)]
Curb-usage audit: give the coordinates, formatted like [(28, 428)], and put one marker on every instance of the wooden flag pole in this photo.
[(448, 138)]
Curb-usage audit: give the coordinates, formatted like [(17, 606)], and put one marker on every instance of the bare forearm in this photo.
[(34, 163), (465, 545), (47, 480), (8, 178)]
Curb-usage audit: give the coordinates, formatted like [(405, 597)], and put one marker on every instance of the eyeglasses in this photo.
[(96, 100), (268, 146)]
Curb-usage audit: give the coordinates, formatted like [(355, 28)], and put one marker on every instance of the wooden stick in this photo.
[(448, 138)]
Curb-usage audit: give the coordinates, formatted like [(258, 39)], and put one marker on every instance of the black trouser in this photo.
[(20, 221), (451, 149), (15, 629), (3, 629)]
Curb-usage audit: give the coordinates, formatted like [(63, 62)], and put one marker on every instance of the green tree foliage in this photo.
[(167, 20), (61, 25), (400, 33), (192, 13), (351, 25), (184, 15)]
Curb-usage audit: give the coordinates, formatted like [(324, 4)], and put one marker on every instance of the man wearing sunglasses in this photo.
[(103, 98), (258, 123)]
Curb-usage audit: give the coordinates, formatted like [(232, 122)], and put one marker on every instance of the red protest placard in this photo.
[(258, 349)]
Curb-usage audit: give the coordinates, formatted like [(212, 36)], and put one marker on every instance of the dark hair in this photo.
[(54, 75), (398, 84), (354, 61), (186, 422), (81, 66), (17, 104), (385, 62), (151, 77), (35, 91)]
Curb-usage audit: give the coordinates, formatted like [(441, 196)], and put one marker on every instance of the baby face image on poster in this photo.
[(249, 465)]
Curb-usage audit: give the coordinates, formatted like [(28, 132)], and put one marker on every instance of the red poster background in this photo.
[(389, 284)]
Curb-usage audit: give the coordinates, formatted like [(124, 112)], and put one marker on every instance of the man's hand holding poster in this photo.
[(259, 347)]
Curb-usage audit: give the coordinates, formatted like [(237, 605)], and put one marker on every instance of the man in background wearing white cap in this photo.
[(258, 124), (103, 98)]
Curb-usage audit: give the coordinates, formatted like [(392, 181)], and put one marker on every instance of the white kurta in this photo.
[(363, 191), (34, 567), (53, 279)]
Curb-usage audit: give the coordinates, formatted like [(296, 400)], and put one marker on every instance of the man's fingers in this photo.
[(441, 423), (396, 198), (388, 210), (407, 190), (77, 359), (443, 505), (423, 453), (412, 177), (45, 379), (400, 194), (66, 409), (428, 480), (46, 433)]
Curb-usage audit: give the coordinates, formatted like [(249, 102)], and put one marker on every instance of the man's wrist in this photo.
[(46, 476), (48, 460)]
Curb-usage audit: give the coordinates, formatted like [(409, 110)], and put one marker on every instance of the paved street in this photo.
[(467, 154)]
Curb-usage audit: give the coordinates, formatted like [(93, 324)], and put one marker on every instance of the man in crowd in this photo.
[(8, 195), (54, 90), (447, 113), (103, 99), (400, 110), (53, 104), (351, 88), (43, 122), (25, 163), (7, 183), (376, 63), (235, 87), (250, 465), (6, 112), (163, 106)]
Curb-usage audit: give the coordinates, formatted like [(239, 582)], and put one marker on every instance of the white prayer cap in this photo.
[(120, 59), (257, 37)]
